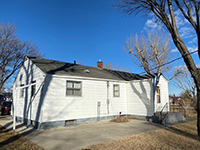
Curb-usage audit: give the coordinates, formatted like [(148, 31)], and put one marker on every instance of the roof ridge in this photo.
[(50, 66)]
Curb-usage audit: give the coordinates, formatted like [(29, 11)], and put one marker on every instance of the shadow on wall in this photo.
[(29, 77), (42, 91), (148, 99)]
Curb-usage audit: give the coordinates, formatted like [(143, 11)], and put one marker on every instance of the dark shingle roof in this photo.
[(62, 68)]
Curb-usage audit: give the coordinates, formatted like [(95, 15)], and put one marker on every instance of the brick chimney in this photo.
[(100, 64)]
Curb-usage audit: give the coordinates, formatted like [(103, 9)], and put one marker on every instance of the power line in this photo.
[(169, 62)]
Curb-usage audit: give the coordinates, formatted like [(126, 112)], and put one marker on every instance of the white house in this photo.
[(50, 93)]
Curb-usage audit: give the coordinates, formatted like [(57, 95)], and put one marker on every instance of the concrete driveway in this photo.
[(76, 137)]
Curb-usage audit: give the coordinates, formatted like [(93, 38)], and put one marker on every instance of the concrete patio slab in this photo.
[(76, 137)]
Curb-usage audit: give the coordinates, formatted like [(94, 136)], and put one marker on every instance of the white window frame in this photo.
[(158, 94), (33, 85), (116, 90), (73, 88)]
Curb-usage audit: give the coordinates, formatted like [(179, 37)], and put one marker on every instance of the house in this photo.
[(175, 100), (50, 93), (5, 97)]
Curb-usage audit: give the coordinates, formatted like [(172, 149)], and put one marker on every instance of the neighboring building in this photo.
[(5, 97), (50, 93), (175, 100)]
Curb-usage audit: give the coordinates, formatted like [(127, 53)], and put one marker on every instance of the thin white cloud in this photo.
[(151, 23), (192, 49), (193, 41), (180, 67), (174, 50), (186, 32), (180, 19)]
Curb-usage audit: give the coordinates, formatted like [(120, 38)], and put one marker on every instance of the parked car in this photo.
[(6, 107)]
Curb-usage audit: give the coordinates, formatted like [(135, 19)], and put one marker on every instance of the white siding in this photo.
[(140, 98), (136, 97), (164, 95), (118, 104), (26, 106), (58, 106)]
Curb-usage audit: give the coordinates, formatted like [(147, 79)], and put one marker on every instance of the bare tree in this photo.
[(13, 51), (184, 82), (163, 10), (119, 68), (150, 51)]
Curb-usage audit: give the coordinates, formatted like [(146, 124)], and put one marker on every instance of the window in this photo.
[(22, 92), (33, 89), (158, 94), (73, 88), (116, 90)]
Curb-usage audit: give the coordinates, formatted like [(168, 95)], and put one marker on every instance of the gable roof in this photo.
[(53, 67)]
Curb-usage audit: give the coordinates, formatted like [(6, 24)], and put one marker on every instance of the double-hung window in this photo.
[(73, 88), (116, 90), (158, 94)]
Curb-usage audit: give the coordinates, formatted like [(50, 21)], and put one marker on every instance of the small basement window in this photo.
[(116, 90), (73, 88), (69, 122), (158, 94)]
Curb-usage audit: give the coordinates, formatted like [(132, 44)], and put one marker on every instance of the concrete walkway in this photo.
[(76, 137)]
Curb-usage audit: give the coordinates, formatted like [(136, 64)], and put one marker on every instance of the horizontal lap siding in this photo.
[(58, 106), (136, 97), (28, 73), (164, 95), (139, 101), (118, 104)]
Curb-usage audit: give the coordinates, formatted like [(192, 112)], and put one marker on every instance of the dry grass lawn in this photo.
[(14, 141), (179, 137)]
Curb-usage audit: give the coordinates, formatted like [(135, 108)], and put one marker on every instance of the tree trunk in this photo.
[(198, 111)]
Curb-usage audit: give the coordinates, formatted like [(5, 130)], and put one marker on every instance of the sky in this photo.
[(85, 30)]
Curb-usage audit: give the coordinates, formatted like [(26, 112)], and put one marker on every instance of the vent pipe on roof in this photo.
[(75, 62), (100, 64)]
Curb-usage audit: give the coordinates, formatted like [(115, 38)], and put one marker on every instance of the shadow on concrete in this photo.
[(8, 124), (28, 100), (2, 117)]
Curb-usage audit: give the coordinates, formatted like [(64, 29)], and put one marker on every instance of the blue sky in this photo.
[(82, 30)]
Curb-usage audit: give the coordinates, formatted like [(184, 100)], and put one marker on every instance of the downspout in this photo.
[(155, 83), (153, 94), (108, 101)]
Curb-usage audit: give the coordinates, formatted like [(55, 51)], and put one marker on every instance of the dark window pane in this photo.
[(33, 88), (73, 88), (69, 92)]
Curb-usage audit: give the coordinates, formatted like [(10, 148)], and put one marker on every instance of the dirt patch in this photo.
[(182, 136), (119, 120), (14, 141), (124, 119)]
